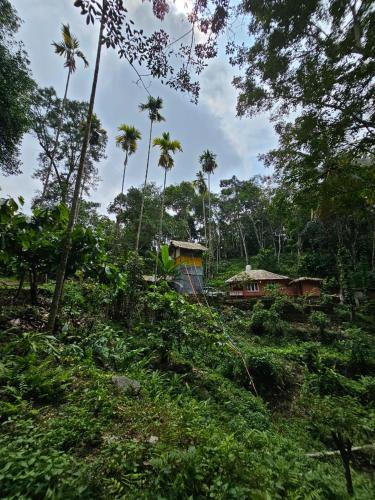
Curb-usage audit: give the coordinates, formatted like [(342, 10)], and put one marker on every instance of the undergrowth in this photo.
[(197, 428)]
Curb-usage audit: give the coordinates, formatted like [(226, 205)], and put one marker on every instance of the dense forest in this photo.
[(112, 383)]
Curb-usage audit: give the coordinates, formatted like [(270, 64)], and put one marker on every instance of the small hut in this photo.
[(253, 283), (307, 286), (188, 258)]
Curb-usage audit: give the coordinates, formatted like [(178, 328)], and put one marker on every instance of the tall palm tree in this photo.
[(153, 107), (67, 242), (208, 163), (201, 187), (166, 161), (127, 141), (69, 49)]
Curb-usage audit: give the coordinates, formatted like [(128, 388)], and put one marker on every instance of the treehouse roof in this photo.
[(256, 275), (187, 245)]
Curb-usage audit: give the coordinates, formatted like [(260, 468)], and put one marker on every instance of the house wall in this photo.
[(189, 280), (296, 289), (244, 292), (189, 260), (310, 288)]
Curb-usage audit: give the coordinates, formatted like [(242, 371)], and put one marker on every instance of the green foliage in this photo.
[(30, 245), (319, 320), (268, 321), (29, 468), (46, 118), (165, 264), (16, 87)]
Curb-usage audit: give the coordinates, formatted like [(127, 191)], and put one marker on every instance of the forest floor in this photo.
[(196, 428)]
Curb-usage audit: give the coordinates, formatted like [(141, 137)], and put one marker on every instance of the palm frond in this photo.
[(153, 106), (81, 55), (67, 36), (60, 49), (128, 139), (68, 48), (208, 161)]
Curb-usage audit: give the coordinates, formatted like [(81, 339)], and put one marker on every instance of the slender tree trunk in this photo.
[(243, 242), (345, 454), (161, 224), (218, 250), (299, 247), (72, 216), (45, 187), (122, 203), (124, 172), (144, 191), (209, 226), (20, 285), (80, 197), (204, 220), (256, 232), (33, 286)]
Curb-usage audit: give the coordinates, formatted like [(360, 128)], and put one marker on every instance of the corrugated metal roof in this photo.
[(304, 278), (189, 245), (256, 275), (152, 279)]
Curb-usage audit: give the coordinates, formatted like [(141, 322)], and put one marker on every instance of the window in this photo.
[(253, 287)]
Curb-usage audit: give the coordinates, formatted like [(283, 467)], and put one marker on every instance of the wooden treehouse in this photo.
[(188, 258)]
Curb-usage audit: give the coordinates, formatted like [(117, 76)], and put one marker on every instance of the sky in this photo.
[(212, 124)]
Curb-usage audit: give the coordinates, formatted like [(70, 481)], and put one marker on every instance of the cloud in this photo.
[(247, 137)]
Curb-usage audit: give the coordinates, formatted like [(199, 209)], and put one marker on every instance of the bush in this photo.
[(362, 354), (268, 321), (320, 320), (42, 381)]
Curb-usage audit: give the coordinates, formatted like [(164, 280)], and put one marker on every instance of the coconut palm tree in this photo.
[(67, 242), (127, 141), (201, 187), (166, 161), (69, 49), (208, 163), (153, 107)]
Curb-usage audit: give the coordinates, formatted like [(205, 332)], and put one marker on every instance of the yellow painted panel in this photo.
[(189, 261)]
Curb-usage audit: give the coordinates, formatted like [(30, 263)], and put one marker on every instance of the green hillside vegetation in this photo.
[(199, 426)]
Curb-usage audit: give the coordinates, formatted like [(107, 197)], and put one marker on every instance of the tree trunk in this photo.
[(124, 172), (80, 196), (345, 450), (144, 191), (56, 138), (218, 250), (209, 226), (204, 220), (299, 247), (33, 286), (20, 285), (67, 242), (256, 232), (161, 224), (243, 242)]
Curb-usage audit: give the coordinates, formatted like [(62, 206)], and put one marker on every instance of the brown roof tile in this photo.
[(256, 275), (189, 245)]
